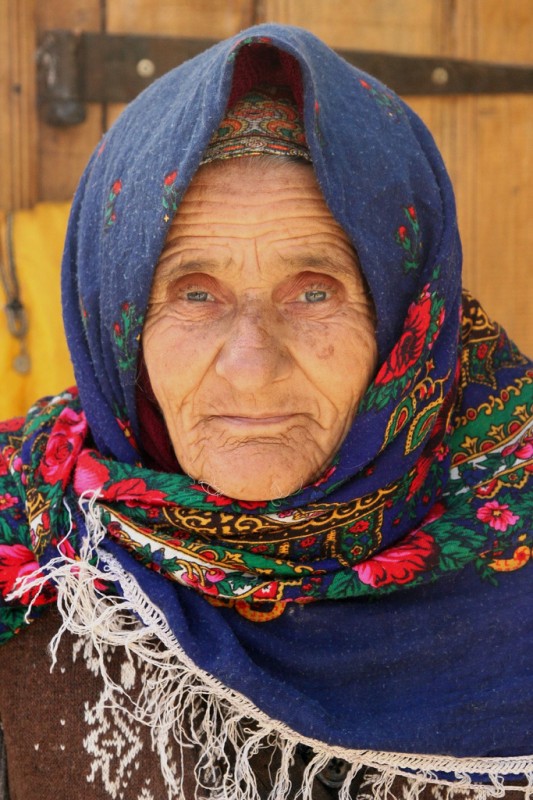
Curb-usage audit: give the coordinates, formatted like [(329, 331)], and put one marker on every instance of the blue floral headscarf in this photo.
[(420, 531)]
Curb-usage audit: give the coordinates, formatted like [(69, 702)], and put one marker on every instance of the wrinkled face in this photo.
[(259, 339)]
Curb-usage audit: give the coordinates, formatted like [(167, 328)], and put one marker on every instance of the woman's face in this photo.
[(259, 339)]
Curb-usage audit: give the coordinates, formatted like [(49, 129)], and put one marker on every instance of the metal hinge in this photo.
[(75, 69)]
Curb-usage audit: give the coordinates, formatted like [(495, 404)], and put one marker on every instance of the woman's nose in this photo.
[(253, 355)]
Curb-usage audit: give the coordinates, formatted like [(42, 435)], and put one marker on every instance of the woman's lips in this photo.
[(262, 421)]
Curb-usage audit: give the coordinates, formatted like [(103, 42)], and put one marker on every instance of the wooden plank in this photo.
[(498, 253), (474, 134), (492, 157), (211, 18), (487, 142), (216, 19), (63, 153), (401, 26), (18, 187)]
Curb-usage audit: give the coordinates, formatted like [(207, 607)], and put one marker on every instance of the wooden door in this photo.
[(486, 140)]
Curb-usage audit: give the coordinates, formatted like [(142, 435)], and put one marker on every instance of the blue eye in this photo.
[(315, 296), (197, 296)]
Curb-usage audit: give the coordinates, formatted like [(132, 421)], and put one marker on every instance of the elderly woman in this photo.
[(279, 537)]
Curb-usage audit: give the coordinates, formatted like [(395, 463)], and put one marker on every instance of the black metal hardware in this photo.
[(75, 69), (59, 72), (17, 320)]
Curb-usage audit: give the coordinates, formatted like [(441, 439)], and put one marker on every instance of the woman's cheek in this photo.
[(315, 343), (178, 353), (340, 359)]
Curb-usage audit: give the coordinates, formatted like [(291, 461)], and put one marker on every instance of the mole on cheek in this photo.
[(327, 352), (315, 343)]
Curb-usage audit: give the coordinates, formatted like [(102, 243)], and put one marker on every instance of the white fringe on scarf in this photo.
[(183, 705)]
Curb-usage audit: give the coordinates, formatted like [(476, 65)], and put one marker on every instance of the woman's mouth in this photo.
[(256, 421)]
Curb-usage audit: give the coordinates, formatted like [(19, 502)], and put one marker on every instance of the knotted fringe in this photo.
[(185, 706)]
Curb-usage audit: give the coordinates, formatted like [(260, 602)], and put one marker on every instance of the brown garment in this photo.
[(46, 719), (61, 746)]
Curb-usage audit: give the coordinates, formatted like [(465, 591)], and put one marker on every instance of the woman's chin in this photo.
[(244, 487), (255, 479)]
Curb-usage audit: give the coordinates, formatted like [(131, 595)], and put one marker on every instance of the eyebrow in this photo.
[(319, 260), (191, 264)]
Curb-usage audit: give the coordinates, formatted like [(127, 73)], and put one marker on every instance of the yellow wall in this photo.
[(38, 236)]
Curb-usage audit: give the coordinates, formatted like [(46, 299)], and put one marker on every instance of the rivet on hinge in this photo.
[(440, 76), (145, 68)]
